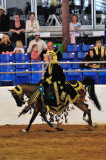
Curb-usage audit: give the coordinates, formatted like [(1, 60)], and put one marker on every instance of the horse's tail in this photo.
[(89, 82)]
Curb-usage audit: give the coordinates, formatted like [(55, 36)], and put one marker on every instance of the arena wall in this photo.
[(9, 111)]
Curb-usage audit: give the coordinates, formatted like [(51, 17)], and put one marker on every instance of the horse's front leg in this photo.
[(35, 113), (84, 114)]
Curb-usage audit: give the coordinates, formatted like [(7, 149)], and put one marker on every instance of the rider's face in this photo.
[(50, 57)]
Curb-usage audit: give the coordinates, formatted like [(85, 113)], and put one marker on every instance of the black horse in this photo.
[(29, 90)]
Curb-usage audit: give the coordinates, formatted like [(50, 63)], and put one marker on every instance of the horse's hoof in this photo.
[(25, 131), (94, 125)]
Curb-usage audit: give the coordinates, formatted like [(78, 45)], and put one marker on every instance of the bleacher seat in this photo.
[(9, 78), (7, 57), (73, 48), (76, 65), (7, 67), (23, 77), (65, 65), (102, 77), (25, 49), (74, 75), (22, 57), (86, 47), (81, 55), (55, 46), (94, 75), (61, 48), (27, 65), (69, 56), (36, 76)]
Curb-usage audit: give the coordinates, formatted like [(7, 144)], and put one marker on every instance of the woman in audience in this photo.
[(19, 47), (32, 25), (35, 54), (99, 50), (90, 57), (74, 25), (5, 45), (17, 28), (103, 65)]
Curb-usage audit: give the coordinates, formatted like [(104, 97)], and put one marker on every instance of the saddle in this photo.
[(71, 90)]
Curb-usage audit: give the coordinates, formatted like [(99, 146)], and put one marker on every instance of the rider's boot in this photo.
[(45, 110)]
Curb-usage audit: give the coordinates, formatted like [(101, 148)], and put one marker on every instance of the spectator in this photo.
[(4, 20), (27, 8), (5, 44), (19, 47), (17, 28), (104, 59), (105, 34), (88, 9), (41, 43), (99, 49), (44, 53), (90, 57), (35, 54), (32, 25), (74, 25)]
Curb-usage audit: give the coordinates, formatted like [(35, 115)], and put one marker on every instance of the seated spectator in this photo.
[(35, 54), (41, 43), (105, 34), (4, 20), (44, 54), (5, 45), (19, 47), (90, 57), (74, 25), (104, 59), (17, 28), (27, 8), (32, 25), (99, 49)]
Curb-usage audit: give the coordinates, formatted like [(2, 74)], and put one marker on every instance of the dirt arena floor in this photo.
[(76, 142)]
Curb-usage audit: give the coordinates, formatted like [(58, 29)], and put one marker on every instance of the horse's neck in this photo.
[(29, 89)]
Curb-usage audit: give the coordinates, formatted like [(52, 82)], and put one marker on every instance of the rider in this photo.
[(54, 75)]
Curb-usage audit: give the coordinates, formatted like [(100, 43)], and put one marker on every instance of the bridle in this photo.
[(17, 94)]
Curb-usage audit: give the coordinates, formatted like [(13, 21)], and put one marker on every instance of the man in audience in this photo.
[(4, 20), (41, 43), (45, 53)]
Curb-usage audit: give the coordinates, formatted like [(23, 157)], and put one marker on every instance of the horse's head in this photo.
[(18, 95)]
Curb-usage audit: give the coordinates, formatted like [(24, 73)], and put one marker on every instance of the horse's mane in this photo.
[(29, 87), (28, 84)]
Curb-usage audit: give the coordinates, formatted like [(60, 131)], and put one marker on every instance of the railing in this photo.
[(54, 31), (43, 63)]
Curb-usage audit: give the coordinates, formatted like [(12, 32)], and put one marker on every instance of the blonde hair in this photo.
[(98, 41), (8, 39), (35, 45), (17, 45)]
